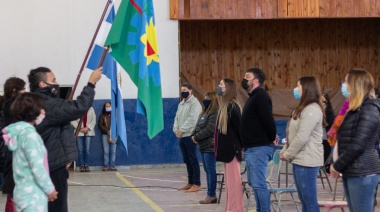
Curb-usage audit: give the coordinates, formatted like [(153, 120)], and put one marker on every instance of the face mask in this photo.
[(219, 91), (296, 94), (185, 94), (39, 119), (244, 84), (54, 88), (344, 91), (206, 102), (108, 109)]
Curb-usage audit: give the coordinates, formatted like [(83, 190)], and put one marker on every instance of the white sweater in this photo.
[(187, 116), (91, 121)]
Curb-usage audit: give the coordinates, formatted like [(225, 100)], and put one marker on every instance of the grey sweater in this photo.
[(187, 116)]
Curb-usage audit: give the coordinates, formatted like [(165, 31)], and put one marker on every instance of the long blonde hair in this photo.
[(361, 85), (228, 97)]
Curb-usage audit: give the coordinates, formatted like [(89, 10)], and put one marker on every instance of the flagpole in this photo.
[(89, 50), (100, 65)]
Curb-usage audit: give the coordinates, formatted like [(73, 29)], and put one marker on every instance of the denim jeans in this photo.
[(106, 148), (305, 179), (83, 143), (209, 165), (256, 160), (360, 192), (189, 154)]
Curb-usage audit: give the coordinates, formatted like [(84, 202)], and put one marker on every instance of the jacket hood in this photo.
[(11, 134)]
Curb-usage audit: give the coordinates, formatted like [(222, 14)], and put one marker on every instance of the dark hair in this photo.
[(104, 108), (328, 102), (12, 87), (27, 107), (36, 76), (214, 101), (187, 85), (377, 92), (258, 74), (311, 93)]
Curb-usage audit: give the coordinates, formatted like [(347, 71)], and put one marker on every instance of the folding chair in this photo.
[(274, 173), (330, 204), (323, 173), (220, 181)]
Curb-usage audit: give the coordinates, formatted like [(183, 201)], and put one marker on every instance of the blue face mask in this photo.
[(296, 94), (344, 91), (206, 102), (219, 91)]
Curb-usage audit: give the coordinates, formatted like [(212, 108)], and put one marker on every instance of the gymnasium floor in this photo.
[(151, 189)]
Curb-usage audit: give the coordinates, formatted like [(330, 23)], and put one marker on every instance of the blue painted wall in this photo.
[(162, 149)]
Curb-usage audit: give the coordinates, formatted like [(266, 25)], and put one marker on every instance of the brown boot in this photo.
[(186, 187), (209, 200), (194, 188)]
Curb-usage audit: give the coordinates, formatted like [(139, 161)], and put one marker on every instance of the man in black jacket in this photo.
[(55, 129), (258, 132)]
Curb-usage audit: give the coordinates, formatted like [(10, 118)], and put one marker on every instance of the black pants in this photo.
[(59, 178), (326, 154)]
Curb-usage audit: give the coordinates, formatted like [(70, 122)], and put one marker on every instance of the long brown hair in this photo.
[(214, 101), (228, 96), (361, 85), (311, 93)]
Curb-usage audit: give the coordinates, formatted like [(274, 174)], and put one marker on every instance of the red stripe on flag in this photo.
[(136, 6)]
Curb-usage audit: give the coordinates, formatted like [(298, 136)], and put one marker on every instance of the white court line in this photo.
[(143, 178)]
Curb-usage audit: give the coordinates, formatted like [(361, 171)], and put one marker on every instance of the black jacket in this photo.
[(56, 130), (257, 126), (228, 146), (357, 137), (204, 131), (330, 117)]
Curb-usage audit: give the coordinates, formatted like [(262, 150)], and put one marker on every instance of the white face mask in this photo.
[(40, 118), (108, 109)]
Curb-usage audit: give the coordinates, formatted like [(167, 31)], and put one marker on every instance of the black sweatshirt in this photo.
[(257, 126)]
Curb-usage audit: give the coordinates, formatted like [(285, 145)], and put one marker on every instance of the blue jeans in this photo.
[(106, 148), (360, 192), (83, 143), (189, 154), (256, 160), (209, 165), (305, 179)]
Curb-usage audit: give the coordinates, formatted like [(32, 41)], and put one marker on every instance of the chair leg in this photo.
[(295, 202), (220, 189), (327, 178), (320, 176)]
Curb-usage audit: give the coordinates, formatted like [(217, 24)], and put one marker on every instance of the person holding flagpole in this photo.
[(55, 129)]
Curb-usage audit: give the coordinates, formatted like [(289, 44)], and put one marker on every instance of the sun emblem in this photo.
[(150, 42)]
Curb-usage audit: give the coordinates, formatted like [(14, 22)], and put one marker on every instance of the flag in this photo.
[(118, 128), (133, 43)]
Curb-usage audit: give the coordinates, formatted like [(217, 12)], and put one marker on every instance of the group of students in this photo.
[(228, 134), (37, 140)]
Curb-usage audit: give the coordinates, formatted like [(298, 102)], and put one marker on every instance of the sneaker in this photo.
[(87, 169), (82, 168), (105, 168), (113, 168)]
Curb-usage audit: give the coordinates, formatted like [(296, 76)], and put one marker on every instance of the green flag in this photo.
[(133, 43)]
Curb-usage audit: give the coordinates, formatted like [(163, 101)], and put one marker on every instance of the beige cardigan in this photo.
[(305, 138), (91, 121)]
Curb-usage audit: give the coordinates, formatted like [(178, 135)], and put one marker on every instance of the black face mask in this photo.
[(54, 88), (206, 102), (185, 94), (244, 84)]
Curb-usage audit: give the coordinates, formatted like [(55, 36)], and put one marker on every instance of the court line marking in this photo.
[(143, 178), (153, 205)]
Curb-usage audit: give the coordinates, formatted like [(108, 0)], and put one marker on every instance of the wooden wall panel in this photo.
[(284, 49)]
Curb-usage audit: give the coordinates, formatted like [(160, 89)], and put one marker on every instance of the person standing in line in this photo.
[(184, 123), (56, 130), (354, 154), (34, 187), (203, 135), (12, 88), (109, 145), (258, 134), (304, 148), (228, 145), (329, 116), (85, 135)]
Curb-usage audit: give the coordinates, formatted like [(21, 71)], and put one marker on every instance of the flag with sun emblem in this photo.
[(133, 43)]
